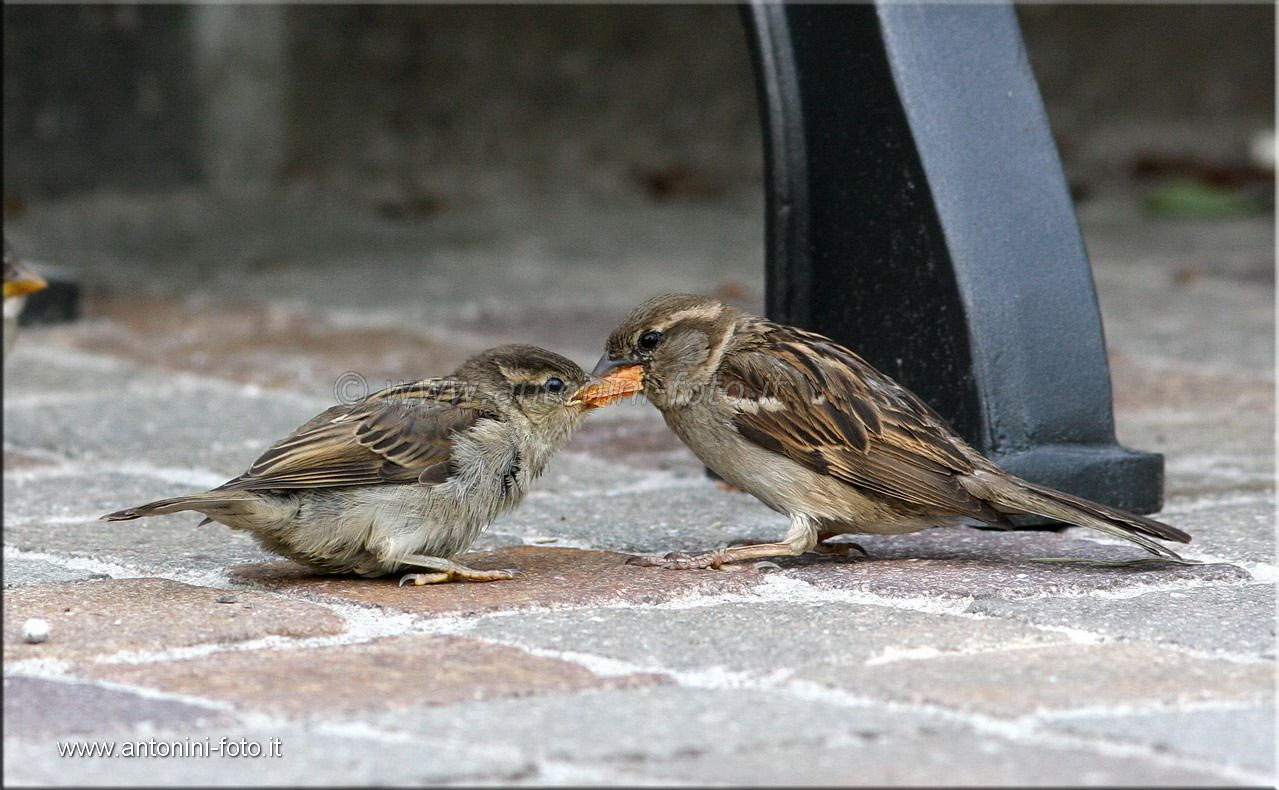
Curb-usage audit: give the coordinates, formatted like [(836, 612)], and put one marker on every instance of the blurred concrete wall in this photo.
[(387, 101), (98, 95)]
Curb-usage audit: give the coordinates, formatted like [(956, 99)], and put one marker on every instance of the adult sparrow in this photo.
[(814, 432), (18, 282), (407, 478)]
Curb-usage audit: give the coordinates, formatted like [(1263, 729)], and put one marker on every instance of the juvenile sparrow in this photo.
[(814, 432), (18, 282), (408, 477)]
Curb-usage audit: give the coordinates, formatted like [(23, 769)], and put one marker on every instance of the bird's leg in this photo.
[(802, 537), (447, 571)]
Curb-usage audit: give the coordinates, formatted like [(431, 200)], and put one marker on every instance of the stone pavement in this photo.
[(947, 657)]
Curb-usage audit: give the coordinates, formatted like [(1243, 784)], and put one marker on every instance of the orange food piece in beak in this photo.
[(621, 383)]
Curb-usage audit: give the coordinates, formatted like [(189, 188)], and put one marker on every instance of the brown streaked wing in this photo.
[(839, 416), (395, 435)]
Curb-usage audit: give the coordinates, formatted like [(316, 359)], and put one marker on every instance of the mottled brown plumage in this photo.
[(816, 432), (408, 477), (397, 435)]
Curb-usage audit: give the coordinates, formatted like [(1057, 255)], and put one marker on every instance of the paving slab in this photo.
[(651, 517), (1210, 431), (1235, 619), (40, 709), (45, 364), (25, 570), (1243, 737), (54, 496), (941, 759), (18, 460), (758, 637), (1234, 528), (550, 577), (264, 343), (1207, 475), (162, 545), (393, 673), (634, 434), (497, 252), (187, 426), (99, 617), (1148, 386), (1214, 324), (619, 727), (1011, 683)]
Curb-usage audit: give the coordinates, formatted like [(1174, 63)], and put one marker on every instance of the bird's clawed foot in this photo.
[(462, 575), (448, 571), (677, 561), (419, 579)]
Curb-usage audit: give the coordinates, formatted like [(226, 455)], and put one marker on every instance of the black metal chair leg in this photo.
[(918, 213)]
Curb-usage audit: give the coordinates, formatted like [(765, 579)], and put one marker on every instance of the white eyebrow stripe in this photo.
[(708, 311)]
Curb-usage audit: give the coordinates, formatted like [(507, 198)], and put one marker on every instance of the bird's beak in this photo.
[(25, 283), (607, 365), (612, 380)]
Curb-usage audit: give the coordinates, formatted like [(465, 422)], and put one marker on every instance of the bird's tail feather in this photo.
[(211, 503), (1013, 495)]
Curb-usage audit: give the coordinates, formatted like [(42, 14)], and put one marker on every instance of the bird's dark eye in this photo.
[(649, 340), (554, 384)]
